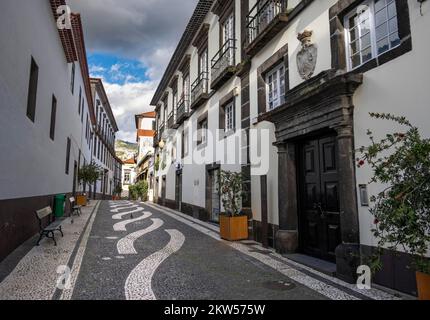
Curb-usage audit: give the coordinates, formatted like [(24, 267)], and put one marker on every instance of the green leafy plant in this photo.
[(142, 189), (132, 193), (118, 189), (231, 184), (139, 190), (89, 174), (400, 162), (157, 163)]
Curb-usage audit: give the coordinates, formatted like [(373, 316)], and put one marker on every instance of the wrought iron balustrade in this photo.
[(183, 108), (262, 14), (200, 87), (224, 59)]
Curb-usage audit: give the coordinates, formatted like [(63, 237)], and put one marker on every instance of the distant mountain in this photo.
[(125, 150)]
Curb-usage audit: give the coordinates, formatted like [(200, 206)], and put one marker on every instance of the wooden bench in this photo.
[(53, 226), (76, 210)]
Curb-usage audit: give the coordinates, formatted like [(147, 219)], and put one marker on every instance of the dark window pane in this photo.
[(68, 155), (366, 54), (53, 118), (394, 39), (365, 41), (392, 10), (354, 34), (393, 25), (383, 45), (355, 60), (32, 90), (381, 31), (379, 4), (380, 17)]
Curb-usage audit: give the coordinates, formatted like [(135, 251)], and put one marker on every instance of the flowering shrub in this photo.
[(231, 192), (400, 162)]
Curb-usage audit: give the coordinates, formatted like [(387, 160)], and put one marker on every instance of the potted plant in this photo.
[(233, 223), (401, 162), (88, 174), (132, 193), (142, 190), (117, 192)]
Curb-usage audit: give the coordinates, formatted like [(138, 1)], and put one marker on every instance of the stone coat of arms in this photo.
[(307, 56)]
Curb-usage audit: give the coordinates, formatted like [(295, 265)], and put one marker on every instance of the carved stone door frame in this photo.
[(321, 104)]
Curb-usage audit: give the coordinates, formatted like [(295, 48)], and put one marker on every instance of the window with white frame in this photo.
[(371, 30), (275, 81), (204, 131), (185, 144), (229, 117), (203, 127)]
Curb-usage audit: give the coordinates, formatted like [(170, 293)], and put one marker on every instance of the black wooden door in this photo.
[(319, 198), (179, 192), (163, 190)]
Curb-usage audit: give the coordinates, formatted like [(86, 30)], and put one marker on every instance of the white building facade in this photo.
[(300, 78), (46, 114), (103, 150), (128, 176)]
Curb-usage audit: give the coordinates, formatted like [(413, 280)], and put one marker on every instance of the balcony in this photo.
[(200, 90), (182, 110), (224, 64), (161, 128), (264, 21), (159, 134), (171, 122)]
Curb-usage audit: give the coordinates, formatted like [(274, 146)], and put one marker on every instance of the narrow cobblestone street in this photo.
[(136, 251)]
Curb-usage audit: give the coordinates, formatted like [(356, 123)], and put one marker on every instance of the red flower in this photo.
[(361, 163), (376, 221)]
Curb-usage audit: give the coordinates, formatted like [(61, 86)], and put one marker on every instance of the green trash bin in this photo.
[(59, 205)]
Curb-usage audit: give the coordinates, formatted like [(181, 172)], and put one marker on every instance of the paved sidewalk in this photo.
[(35, 276)]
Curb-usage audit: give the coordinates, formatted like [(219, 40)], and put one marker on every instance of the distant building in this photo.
[(128, 176), (145, 124), (104, 142)]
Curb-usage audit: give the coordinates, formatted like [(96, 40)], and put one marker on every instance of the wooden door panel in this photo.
[(331, 197), (320, 218), (333, 238)]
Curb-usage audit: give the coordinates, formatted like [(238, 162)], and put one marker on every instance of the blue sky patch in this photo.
[(114, 69)]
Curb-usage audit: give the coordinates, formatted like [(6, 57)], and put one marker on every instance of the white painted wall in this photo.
[(31, 164), (399, 87)]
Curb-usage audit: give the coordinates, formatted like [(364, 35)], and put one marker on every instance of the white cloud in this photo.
[(142, 30), (128, 100)]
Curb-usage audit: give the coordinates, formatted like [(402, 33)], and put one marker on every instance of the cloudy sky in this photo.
[(129, 44)]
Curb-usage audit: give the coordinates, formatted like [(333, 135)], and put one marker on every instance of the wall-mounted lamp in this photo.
[(161, 144), (236, 92)]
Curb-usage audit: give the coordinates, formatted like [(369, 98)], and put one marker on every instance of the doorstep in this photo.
[(322, 266)]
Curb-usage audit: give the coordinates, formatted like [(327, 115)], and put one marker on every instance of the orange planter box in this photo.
[(81, 200), (234, 228), (423, 284)]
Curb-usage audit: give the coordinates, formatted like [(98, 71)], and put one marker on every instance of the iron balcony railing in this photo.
[(262, 14), (172, 119), (183, 107), (224, 58), (200, 86)]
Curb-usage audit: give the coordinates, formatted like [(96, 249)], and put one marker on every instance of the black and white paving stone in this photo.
[(151, 255), (141, 251)]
